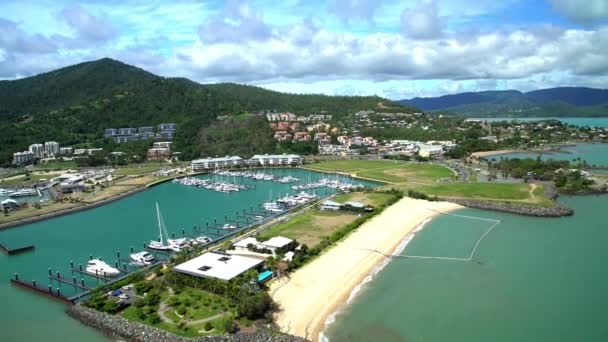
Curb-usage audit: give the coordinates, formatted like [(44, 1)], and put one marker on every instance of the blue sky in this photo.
[(396, 49)]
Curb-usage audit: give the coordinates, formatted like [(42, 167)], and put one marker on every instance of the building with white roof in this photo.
[(242, 245), (275, 159), (213, 163), (218, 266), (37, 150)]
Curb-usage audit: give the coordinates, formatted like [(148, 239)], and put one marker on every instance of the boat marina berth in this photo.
[(98, 267)]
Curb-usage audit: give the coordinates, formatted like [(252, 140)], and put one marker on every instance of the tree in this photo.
[(228, 325), (255, 306)]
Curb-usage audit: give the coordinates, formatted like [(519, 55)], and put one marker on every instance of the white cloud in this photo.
[(423, 21)]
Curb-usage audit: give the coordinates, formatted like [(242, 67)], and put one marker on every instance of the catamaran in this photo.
[(99, 268), (174, 245), (142, 258)]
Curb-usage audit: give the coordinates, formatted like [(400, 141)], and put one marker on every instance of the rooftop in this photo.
[(277, 242), (219, 266)]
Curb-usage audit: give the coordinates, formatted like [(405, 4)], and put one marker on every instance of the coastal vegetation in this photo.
[(107, 93)]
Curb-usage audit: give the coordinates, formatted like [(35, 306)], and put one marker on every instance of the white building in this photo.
[(214, 163), (243, 245), (272, 244), (275, 159), (276, 243), (218, 266), (21, 158), (66, 150), (86, 151), (37, 150), (330, 205), (430, 151), (51, 148)]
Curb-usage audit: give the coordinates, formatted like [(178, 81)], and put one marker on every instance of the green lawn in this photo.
[(138, 169), (490, 191), (57, 165), (369, 198), (310, 227), (197, 305), (387, 171)]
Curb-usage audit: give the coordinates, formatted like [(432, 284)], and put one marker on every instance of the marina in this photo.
[(127, 226)]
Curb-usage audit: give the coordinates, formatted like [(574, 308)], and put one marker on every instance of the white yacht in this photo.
[(229, 226), (142, 258), (24, 193), (5, 192), (203, 240), (100, 268), (164, 243)]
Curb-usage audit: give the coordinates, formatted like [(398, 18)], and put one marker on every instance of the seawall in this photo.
[(557, 210), (121, 328)]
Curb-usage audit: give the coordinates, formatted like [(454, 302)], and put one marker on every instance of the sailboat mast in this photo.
[(160, 232)]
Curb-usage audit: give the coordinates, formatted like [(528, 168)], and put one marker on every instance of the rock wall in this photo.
[(119, 327), (557, 210)]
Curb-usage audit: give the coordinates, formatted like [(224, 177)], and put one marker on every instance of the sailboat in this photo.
[(175, 245)]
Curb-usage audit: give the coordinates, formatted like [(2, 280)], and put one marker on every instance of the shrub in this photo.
[(143, 287), (228, 325), (182, 310), (208, 326), (255, 306), (154, 318)]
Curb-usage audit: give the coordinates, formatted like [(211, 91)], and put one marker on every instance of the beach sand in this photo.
[(315, 291)]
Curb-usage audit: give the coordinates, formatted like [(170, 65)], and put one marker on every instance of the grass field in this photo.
[(138, 169), (310, 227), (387, 171), (46, 208), (57, 165), (526, 193)]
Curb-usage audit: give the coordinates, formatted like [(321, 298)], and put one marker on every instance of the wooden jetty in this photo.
[(19, 250), (100, 277), (45, 292), (73, 283)]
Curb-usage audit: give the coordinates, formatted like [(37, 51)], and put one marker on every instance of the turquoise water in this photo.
[(537, 279), (101, 232), (594, 154), (599, 122)]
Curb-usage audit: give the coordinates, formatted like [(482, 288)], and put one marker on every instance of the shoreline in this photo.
[(485, 154), (331, 318), (308, 302), (82, 207)]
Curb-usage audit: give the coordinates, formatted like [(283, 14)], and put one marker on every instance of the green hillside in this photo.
[(75, 104)]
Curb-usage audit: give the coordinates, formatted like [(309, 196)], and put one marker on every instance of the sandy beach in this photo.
[(315, 291), (492, 153)]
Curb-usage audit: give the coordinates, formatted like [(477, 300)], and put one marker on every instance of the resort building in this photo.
[(159, 153), (22, 158), (218, 266), (37, 150), (66, 150), (430, 151), (275, 159), (214, 163), (51, 148)]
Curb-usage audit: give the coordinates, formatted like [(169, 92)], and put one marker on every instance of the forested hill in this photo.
[(564, 101), (74, 105), (68, 86)]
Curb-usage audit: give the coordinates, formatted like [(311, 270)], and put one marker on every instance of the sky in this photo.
[(391, 48)]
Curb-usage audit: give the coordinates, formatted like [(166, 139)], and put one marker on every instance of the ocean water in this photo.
[(594, 154), (532, 279), (101, 232), (599, 122)]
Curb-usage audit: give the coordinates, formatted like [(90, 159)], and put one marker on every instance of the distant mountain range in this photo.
[(564, 101), (73, 105)]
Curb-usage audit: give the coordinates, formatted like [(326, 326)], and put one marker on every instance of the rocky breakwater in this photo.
[(119, 327), (558, 210)]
